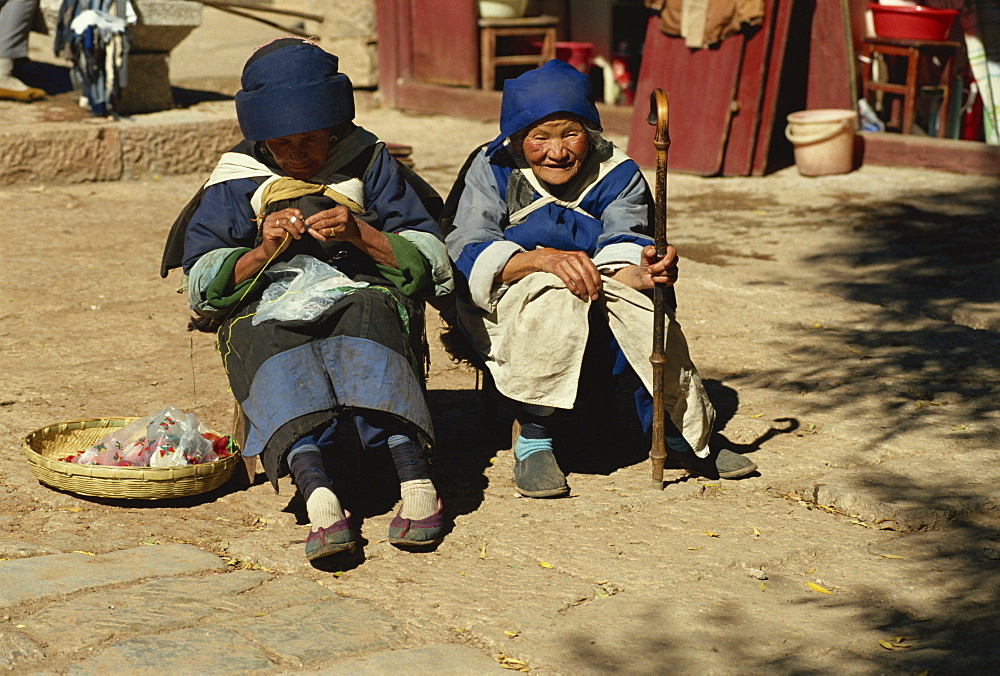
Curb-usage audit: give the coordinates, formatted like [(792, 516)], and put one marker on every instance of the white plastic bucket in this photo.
[(823, 140)]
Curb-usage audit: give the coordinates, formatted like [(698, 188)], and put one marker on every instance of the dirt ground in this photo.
[(846, 328), (815, 310)]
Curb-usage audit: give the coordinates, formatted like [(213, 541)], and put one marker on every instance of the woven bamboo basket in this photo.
[(43, 447)]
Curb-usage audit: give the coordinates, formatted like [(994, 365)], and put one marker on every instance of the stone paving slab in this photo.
[(197, 650), (16, 649), (42, 577), (24, 550), (315, 632), (152, 607), (442, 660)]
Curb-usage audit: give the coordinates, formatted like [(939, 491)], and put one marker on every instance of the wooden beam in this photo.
[(899, 150)]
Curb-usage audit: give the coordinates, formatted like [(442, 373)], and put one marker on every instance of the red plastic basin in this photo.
[(577, 54), (912, 23)]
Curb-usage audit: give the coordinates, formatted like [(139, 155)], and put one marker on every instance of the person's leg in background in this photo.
[(15, 24)]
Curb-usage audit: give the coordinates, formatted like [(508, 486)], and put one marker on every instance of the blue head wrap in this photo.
[(292, 86), (556, 87)]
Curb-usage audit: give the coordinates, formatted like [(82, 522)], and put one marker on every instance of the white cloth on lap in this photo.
[(533, 345)]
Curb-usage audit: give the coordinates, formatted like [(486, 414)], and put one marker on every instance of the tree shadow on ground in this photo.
[(940, 591), (50, 77), (185, 98), (931, 254), (468, 435), (903, 375)]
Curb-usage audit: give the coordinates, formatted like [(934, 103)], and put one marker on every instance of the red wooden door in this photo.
[(701, 86), (445, 42)]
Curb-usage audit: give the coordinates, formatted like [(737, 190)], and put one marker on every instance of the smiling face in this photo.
[(555, 148), (300, 155)]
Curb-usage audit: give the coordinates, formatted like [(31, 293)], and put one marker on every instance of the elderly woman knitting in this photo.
[(308, 189), (552, 238)]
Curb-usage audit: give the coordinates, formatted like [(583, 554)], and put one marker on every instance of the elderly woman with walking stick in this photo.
[(553, 240)]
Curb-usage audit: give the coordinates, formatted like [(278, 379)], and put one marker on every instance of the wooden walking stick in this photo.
[(659, 115)]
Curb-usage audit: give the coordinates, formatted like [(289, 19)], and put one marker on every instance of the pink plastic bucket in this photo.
[(823, 140)]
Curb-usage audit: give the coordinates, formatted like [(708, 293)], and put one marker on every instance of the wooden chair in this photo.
[(914, 53), (492, 30)]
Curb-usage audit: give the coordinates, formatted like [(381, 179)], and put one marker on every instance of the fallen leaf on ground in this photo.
[(513, 634), (762, 586), (511, 663), (71, 509), (711, 534), (482, 552), (756, 533), (815, 587), (544, 564), (756, 416), (811, 570), (693, 549), (897, 643), (80, 551)]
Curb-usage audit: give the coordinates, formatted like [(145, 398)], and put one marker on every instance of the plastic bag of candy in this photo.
[(170, 438)]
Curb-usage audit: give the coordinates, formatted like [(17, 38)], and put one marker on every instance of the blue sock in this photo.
[(525, 447)]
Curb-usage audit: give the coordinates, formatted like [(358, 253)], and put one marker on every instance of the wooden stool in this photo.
[(913, 51), (543, 27)]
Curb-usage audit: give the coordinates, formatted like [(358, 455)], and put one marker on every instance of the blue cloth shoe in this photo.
[(538, 476)]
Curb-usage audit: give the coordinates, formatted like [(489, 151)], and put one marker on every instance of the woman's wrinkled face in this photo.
[(300, 155), (555, 149)]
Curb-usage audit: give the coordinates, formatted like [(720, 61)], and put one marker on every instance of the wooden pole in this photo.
[(659, 115)]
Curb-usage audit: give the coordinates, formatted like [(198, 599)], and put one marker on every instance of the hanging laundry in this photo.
[(93, 35)]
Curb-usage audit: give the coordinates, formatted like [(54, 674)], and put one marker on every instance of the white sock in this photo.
[(324, 509), (420, 499), (8, 81)]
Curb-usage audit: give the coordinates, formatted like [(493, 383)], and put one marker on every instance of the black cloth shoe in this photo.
[(539, 476), (723, 464)]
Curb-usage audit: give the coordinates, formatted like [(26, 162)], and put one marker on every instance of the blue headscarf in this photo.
[(556, 87), (292, 86)]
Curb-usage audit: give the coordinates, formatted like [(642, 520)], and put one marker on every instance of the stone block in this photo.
[(161, 25), (32, 153), (175, 148), (166, 143), (148, 85), (44, 577)]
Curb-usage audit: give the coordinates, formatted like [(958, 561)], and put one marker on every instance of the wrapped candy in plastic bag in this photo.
[(303, 288), (170, 438)]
